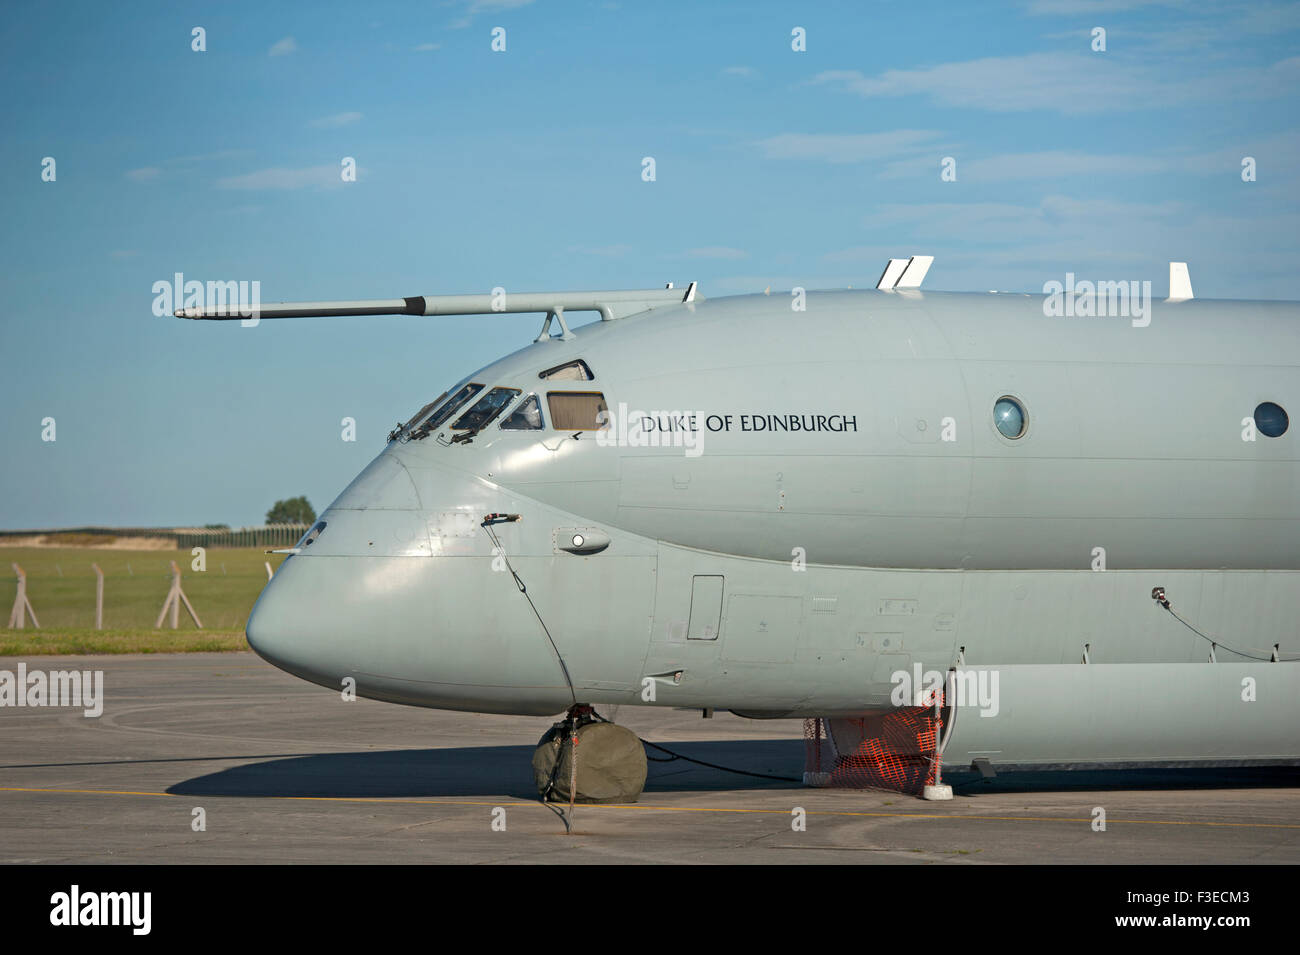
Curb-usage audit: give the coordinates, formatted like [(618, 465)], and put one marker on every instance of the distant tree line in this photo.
[(295, 510)]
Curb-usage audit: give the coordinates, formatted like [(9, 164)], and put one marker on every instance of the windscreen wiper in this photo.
[(468, 435)]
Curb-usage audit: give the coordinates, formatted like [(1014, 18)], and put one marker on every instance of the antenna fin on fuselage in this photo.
[(889, 277), (914, 274), (1180, 283), (905, 273)]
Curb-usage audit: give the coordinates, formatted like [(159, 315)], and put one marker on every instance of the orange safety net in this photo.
[(896, 752)]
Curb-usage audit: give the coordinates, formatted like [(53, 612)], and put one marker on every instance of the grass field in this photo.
[(61, 587), (27, 643)]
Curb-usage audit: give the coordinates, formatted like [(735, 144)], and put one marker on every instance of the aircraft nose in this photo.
[(275, 628), (266, 630)]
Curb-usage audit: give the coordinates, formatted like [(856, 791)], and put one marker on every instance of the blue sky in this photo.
[(523, 169)]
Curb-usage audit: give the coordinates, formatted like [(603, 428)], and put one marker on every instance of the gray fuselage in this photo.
[(781, 568)]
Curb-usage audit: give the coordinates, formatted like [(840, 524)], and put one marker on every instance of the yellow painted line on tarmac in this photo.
[(130, 792), (707, 809)]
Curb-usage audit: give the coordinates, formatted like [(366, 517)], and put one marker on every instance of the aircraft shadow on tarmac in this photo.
[(489, 771), (507, 770)]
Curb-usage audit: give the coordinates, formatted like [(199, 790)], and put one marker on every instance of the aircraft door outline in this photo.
[(706, 607)]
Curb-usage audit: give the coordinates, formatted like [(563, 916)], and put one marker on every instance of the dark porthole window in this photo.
[(311, 535), (1271, 420), (1009, 417)]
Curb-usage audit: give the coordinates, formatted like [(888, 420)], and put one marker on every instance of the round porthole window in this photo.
[(311, 535), (1271, 420), (1009, 416)]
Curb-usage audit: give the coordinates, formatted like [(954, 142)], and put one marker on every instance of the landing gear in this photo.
[(611, 764)]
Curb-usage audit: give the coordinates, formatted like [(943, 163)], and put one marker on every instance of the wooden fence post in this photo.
[(175, 597), (22, 606), (99, 597)]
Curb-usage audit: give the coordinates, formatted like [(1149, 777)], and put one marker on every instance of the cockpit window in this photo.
[(569, 371), (527, 417), (578, 410), (485, 409), (415, 418), (451, 407)]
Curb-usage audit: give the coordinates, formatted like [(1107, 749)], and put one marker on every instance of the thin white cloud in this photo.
[(426, 47), (1209, 29), (220, 154), (1073, 7), (1049, 233), (335, 121), (1277, 158), (1071, 83), (1017, 246), (1032, 81), (1280, 153), (284, 47), (846, 147), (143, 174), (1265, 18), (744, 71), (605, 251), (283, 178), (717, 252), (1056, 164), (477, 7), (990, 220)]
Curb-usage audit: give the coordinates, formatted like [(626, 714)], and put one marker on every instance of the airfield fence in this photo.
[(267, 535), (76, 588)]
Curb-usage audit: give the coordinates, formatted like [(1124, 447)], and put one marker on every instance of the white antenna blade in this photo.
[(1180, 282), (914, 274), (889, 277)]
